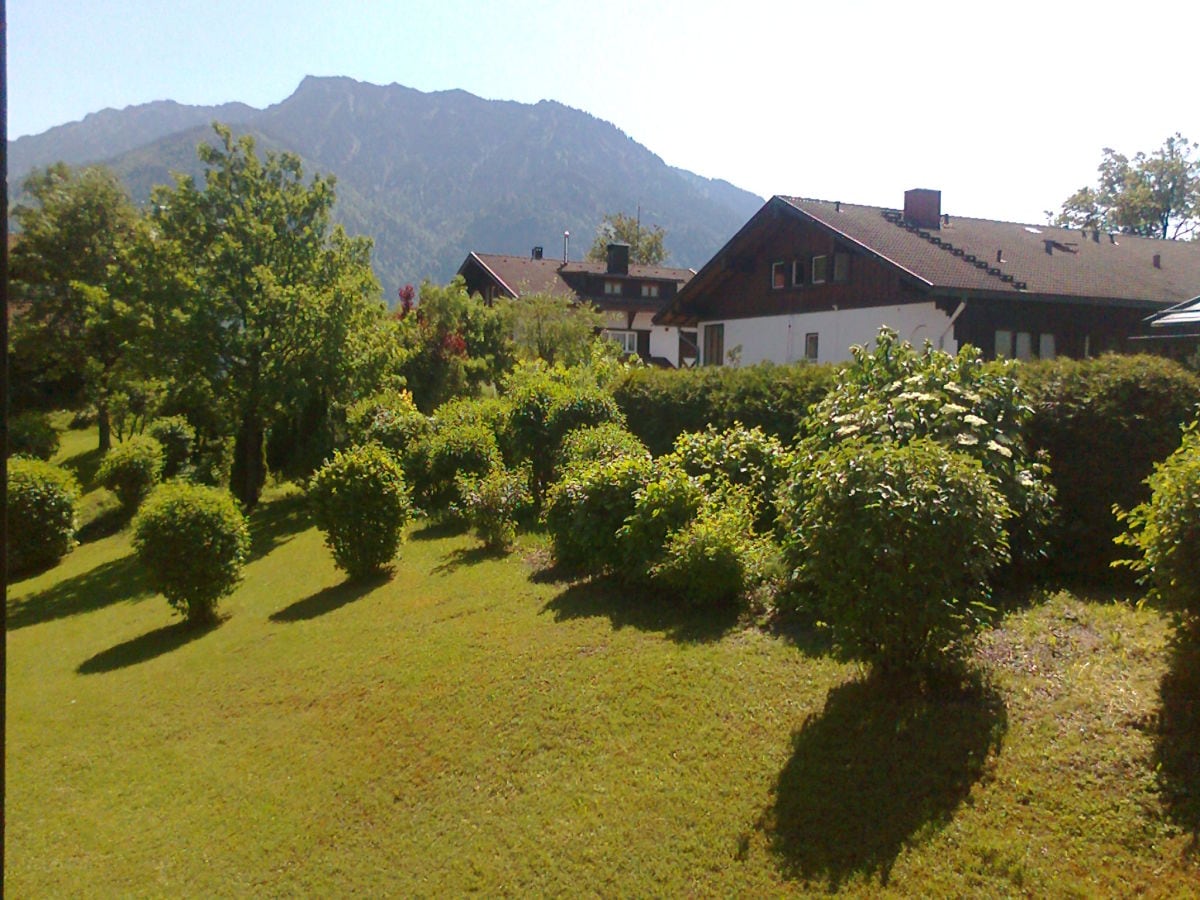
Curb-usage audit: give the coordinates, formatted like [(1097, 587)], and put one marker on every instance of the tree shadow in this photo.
[(645, 610), (83, 466), (146, 647), (329, 599), (274, 523), (109, 583), (106, 524), (439, 528), (1177, 751), (882, 766), (467, 556)]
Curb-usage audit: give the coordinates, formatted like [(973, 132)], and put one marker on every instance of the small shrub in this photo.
[(131, 469), (670, 500), (586, 509), (192, 541), (178, 438), (1165, 530), (458, 452), (493, 503), (895, 544), (598, 443), (41, 511), (715, 559), (359, 499), (392, 420), (31, 434), (739, 457)]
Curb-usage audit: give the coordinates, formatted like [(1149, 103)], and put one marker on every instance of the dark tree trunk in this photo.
[(249, 471), (104, 426)]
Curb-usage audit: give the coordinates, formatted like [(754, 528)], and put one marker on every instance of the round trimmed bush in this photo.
[(31, 434), (457, 452), (895, 543), (178, 438), (1165, 530), (192, 541), (41, 513), (598, 443), (390, 418), (359, 499), (131, 469), (587, 507), (669, 501), (715, 559)]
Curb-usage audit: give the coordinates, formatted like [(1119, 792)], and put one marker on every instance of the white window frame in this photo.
[(812, 346), (778, 275), (820, 262), (649, 290), (612, 288), (626, 340)]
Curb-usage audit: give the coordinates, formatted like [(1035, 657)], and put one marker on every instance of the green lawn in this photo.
[(473, 724)]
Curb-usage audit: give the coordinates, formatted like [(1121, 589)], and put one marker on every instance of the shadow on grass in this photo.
[(145, 647), (272, 524), (437, 529), (879, 768), (467, 556), (109, 583), (644, 610), (1177, 752), (330, 598), (83, 466), (107, 523)]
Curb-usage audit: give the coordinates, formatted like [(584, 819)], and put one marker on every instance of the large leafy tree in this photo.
[(1155, 195), (258, 299), (646, 244), (552, 327), (70, 272)]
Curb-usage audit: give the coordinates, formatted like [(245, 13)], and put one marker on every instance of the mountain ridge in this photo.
[(430, 176)]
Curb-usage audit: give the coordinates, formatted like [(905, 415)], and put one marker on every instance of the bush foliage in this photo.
[(31, 434), (587, 507), (493, 503), (41, 511), (359, 499), (598, 443), (895, 543), (177, 438), (670, 500), (192, 541), (131, 469), (1103, 423), (1165, 530), (456, 452)]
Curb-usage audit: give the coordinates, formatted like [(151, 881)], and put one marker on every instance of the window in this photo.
[(714, 344), (612, 288), (810, 346), (778, 275), (820, 265), (626, 340), (649, 290), (797, 273), (841, 267), (1024, 345)]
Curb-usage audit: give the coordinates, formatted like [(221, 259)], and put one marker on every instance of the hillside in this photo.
[(430, 176)]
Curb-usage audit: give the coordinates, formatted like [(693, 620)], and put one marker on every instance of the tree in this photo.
[(70, 273), (1154, 196), (455, 343), (258, 298), (646, 245), (552, 327)]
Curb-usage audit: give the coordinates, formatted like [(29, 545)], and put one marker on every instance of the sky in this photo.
[(1005, 107)]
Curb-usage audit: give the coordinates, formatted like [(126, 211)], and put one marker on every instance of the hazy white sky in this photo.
[(1004, 107)]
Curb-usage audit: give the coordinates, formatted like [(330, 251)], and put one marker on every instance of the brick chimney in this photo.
[(618, 259), (923, 208)]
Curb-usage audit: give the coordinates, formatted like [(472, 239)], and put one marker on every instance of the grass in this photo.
[(477, 724)]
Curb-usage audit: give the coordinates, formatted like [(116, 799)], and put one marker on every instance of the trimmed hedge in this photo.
[(193, 541), (1104, 423), (41, 512), (587, 508), (131, 469), (661, 404)]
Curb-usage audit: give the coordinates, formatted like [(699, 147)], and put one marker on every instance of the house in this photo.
[(806, 279), (1175, 331), (629, 295)]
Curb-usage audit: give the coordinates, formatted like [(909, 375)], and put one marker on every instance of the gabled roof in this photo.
[(989, 258), (524, 274), (1186, 313)]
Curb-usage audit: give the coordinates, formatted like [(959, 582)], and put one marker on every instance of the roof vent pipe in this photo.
[(837, 205), (537, 253), (1158, 260), (566, 244), (999, 256), (1049, 247)]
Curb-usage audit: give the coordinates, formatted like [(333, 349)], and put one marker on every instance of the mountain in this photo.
[(430, 176)]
